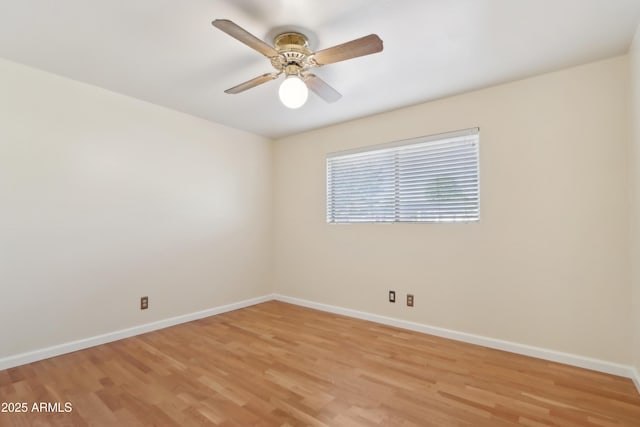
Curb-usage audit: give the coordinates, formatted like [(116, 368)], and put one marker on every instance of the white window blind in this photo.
[(427, 179)]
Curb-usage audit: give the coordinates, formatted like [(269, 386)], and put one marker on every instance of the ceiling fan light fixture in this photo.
[(293, 92)]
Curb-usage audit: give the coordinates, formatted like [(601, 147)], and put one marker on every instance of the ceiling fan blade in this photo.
[(252, 83), (240, 34), (359, 47), (322, 88)]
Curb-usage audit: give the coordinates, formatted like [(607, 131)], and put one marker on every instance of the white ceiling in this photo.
[(166, 51)]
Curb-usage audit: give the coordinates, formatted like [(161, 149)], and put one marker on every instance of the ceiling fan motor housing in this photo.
[(294, 53)]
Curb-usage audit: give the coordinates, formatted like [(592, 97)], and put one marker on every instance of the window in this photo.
[(427, 179)]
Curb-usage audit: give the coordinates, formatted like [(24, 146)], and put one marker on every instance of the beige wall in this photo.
[(548, 263), (105, 198), (635, 192)]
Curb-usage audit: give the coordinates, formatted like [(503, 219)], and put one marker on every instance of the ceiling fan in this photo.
[(290, 55)]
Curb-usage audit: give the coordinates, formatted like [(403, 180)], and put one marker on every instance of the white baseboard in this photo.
[(45, 353), (527, 350)]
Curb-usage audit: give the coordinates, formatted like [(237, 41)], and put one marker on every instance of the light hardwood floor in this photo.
[(276, 364)]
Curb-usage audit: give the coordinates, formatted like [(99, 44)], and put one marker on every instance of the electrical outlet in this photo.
[(409, 300), (392, 296), (144, 303)]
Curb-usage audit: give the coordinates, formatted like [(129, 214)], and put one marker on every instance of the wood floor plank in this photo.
[(276, 364)]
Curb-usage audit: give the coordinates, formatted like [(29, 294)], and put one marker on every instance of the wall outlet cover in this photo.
[(409, 300)]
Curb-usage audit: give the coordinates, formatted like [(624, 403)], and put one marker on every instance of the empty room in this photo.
[(303, 213)]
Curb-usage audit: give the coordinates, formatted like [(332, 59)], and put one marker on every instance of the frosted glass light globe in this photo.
[(293, 92)]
